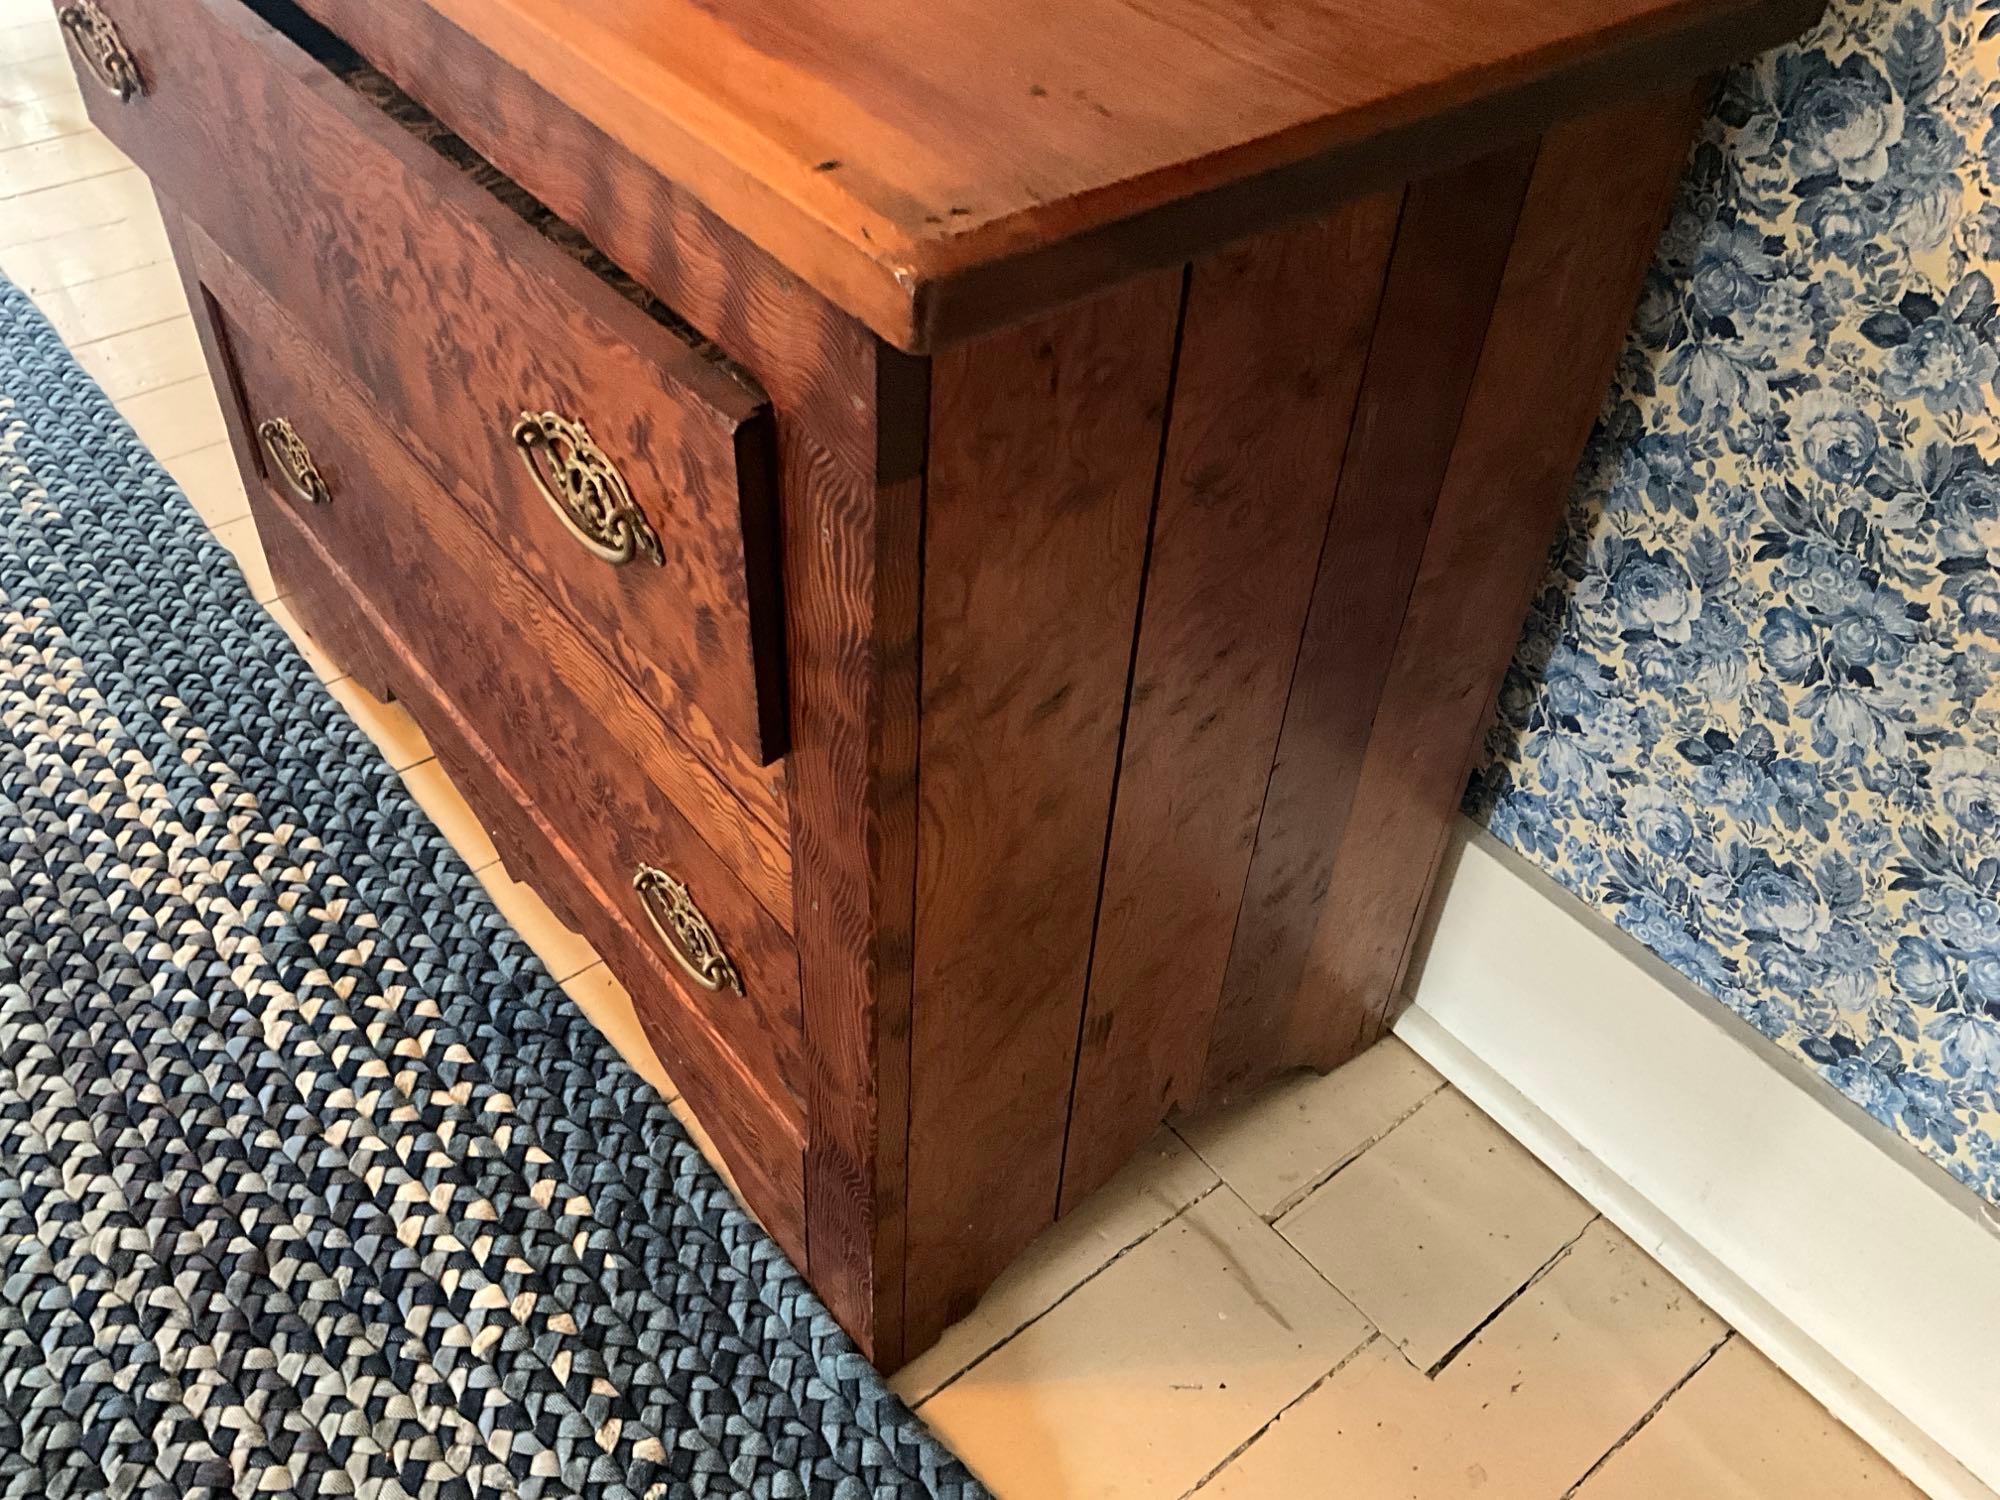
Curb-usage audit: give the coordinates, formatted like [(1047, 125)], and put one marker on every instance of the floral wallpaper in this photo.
[(1756, 713)]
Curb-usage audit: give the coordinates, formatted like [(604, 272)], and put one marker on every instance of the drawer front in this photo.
[(691, 911), (628, 471), (762, 1143)]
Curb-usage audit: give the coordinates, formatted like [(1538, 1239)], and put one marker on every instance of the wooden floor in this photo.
[(1359, 1287)]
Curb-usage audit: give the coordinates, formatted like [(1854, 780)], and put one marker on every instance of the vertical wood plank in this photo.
[(1451, 248), (851, 560), (1044, 453), (1273, 344), (1601, 189)]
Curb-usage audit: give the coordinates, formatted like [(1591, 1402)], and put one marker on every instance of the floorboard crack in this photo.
[(1651, 1412), (1237, 1452), (1561, 1253)]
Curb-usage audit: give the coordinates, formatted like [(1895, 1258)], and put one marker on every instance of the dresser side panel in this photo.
[(1044, 456), (1451, 247), (1601, 190), (1273, 347)]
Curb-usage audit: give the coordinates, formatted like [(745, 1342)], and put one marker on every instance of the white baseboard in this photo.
[(1861, 1271)]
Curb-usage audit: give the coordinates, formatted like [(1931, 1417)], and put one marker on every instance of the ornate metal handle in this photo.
[(685, 930), (584, 488), (97, 45), (293, 461)]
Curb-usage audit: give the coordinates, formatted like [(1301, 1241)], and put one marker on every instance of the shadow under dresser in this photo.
[(967, 551)]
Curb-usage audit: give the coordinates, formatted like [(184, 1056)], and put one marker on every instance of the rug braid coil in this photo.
[(311, 1180)]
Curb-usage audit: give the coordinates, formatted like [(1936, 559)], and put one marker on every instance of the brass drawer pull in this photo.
[(685, 930), (584, 488), (289, 455), (96, 42)]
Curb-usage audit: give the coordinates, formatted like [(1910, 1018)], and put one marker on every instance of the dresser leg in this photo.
[(851, 556)]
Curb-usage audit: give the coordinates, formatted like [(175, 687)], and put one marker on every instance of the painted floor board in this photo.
[(114, 304), (1558, 1378), (1164, 1178), (1740, 1430), (1436, 1226), (1276, 1148), (1153, 1372)]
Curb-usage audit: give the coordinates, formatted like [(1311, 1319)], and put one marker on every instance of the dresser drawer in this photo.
[(762, 1139), (620, 461), (698, 914)]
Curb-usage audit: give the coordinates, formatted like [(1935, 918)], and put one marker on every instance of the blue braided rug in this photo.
[(311, 1180)]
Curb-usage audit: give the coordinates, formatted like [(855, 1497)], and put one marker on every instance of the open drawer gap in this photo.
[(380, 91)]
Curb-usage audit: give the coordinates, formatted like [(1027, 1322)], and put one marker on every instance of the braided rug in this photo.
[(311, 1180)]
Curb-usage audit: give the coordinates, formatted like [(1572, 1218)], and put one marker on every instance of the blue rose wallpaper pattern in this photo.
[(1756, 713)]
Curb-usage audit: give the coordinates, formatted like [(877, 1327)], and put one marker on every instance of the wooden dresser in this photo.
[(967, 546)]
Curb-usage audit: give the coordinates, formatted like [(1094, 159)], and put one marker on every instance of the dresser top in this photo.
[(941, 167)]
